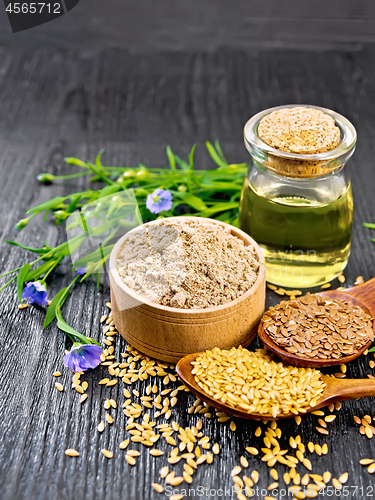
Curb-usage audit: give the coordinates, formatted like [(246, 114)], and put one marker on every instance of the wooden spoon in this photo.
[(335, 390), (361, 295)]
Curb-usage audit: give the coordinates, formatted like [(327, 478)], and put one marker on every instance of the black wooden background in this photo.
[(59, 99)]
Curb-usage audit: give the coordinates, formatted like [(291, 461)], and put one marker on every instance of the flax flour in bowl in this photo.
[(186, 284), (188, 264)]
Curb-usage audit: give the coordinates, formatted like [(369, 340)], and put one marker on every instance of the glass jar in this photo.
[(299, 207)]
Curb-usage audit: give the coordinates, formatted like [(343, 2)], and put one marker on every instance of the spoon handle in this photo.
[(350, 388), (365, 293)]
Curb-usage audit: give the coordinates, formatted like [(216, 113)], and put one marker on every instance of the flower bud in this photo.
[(45, 177), (182, 188), (60, 215), (21, 224)]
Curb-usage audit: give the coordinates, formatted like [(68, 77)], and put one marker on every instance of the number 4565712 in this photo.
[(33, 8)]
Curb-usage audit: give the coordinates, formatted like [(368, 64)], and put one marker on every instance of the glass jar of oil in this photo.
[(299, 207)]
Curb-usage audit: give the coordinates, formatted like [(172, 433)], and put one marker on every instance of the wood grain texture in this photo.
[(147, 26), (63, 102)]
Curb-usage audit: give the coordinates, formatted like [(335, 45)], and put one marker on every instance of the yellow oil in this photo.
[(305, 243)]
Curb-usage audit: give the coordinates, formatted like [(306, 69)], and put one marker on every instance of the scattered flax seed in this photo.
[(111, 383), (368, 432), (341, 278), (338, 406), (298, 419), (321, 430), (274, 474), (359, 280), (133, 453), (83, 398), (123, 444), (273, 486), (176, 497), (157, 487), (258, 432), (311, 447), (71, 453), (331, 407), (255, 476), (104, 381), (59, 386), (336, 483), (109, 418), (107, 453), (371, 468), (130, 460), (252, 451), (326, 476), (330, 418), (164, 471), (101, 427), (343, 478), (235, 471), (343, 368), (327, 285), (103, 318), (232, 426), (216, 448), (271, 287), (371, 364), (156, 453), (325, 449), (366, 461), (57, 374), (244, 462)]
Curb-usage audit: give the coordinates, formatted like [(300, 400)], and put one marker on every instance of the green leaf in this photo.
[(98, 162), (171, 159), (21, 280), (191, 158), (219, 151), (367, 224), (39, 271), (181, 163), (73, 204), (191, 200), (47, 205), (106, 191), (51, 311), (35, 250), (212, 152), (67, 328)]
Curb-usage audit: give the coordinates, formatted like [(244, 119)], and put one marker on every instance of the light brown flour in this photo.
[(188, 264)]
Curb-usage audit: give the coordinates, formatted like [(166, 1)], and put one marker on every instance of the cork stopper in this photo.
[(298, 130)]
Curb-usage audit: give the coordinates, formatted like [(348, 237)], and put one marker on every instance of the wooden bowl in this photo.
[(169, 333)]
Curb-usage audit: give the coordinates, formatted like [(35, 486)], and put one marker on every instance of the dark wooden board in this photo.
[(174, 26), (57, 103)]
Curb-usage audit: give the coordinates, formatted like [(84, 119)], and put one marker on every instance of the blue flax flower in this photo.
[(36, 292), (83, 356), (159, 200), (81, 270)]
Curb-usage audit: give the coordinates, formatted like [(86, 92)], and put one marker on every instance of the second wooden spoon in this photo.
[(335, 390), (362, 295)]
